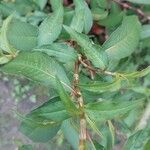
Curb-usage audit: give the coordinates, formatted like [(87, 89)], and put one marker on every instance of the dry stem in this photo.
[(79, 97)]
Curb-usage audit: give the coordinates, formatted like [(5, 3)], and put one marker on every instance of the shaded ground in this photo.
[(11, 99)]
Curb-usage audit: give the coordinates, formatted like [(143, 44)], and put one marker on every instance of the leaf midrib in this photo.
[(35, 68)]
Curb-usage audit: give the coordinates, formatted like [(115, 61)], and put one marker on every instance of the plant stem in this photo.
[(80, 101), (89, 67)]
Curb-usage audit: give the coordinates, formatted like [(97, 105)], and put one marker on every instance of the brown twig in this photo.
[(137, 10), (89, 67), (79, 98)]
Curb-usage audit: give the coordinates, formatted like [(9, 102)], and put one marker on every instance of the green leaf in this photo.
[(145, 32), (99, 14), (51, 27), (139, 1), (99, 87), (77, 21), (53, 110), (40, 3), (38, 67), (17, 35), (67, 101), (137, 74), (43, 123), (114, 17), (82, 20), (92, 51), (105, 110), (110, 136), (22, 35), (62, 52), (98, 146), (123, 41), (4, 43), (26, 147), (39, 131), (94, 127), (138, 139), (71, 133), (20, 7)]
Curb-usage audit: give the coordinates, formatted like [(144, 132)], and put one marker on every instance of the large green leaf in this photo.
[(62, 52), (51, 27), (105, 110), (92, 51), (67, 101), (140, 1), (18, 35), (37, 67), (123, 41), (99, 87), (82, 20), (43, 123)]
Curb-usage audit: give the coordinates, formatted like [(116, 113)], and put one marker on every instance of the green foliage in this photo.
[(43, 123), (106, 110), (123, 41), (92, 52), (93, 57), (50, 28)]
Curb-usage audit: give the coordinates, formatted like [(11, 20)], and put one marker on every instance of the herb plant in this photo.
[(94, 55)]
